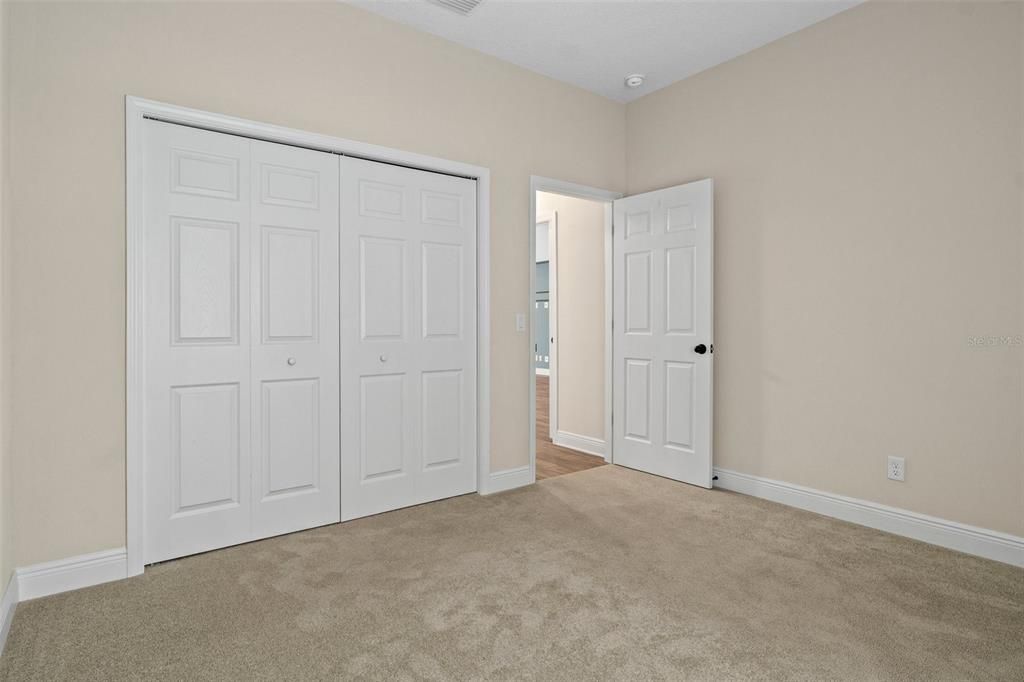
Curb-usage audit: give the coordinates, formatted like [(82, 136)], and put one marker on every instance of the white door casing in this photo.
[(231, 236), (663, 259), (554, 342), (408, 337)]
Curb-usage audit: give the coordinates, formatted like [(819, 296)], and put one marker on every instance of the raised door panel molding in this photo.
[(440, 208), (204, 447), (290, 281), (382, 426), (291, 436), (442, 290), (441, 411), (638, 223), (680, 218), (382, 288), (381, 200), (638, 399), (680, 290), (293, 187), (680, 401), (204, 286), (203, 174), (638, 293)]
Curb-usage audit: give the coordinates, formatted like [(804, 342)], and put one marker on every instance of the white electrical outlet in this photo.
[(897, 468)]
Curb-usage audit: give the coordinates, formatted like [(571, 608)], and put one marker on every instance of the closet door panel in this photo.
[(295, 338), (408, 336), (241, 340), (196, 326)]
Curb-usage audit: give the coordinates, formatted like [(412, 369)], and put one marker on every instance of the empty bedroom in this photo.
[(512, 339)]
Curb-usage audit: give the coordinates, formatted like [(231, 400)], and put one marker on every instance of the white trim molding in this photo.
[(990, 544), (500, 481), (584, 444), (73, 573), (8, 604), (552, 220), (137, 110)]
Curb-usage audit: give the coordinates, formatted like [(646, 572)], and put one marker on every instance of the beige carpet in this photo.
[(606, 573)]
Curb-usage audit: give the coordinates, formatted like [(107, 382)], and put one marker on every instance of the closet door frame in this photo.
[(137, 110)]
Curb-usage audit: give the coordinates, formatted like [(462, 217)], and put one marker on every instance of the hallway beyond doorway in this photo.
[(554, 460)]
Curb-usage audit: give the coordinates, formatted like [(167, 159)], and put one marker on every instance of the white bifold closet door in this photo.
[(408, 337), (241, 340)]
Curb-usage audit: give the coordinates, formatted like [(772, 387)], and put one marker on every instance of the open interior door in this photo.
[(662, 373)]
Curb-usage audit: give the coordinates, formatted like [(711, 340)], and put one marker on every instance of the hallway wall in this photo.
[(580, 310)]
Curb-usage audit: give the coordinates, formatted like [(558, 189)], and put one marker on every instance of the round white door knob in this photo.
[(383, 358), (291, 361)]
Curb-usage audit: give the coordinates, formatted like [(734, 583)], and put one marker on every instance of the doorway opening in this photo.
[(655, 335), (571, 323)]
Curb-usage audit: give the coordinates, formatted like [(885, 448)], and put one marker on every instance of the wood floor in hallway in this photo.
[(554, 460)]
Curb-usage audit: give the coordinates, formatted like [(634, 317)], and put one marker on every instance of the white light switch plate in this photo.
[(520, 322)]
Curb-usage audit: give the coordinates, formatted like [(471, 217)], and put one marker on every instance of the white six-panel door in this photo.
[(662, 372), (408, 312), (241, 340)]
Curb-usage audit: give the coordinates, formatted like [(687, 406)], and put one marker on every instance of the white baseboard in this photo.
[(500, 481), (8, 604), (63, 575), (981, 542), (574, 441)]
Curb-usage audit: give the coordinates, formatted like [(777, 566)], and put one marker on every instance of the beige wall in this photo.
[(6, 502), (868, 187), (580, 309), (326, 68)]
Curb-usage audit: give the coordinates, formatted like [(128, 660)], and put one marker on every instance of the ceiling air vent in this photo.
[(463, 7)]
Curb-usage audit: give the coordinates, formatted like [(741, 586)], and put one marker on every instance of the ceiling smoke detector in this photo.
[(463, 7), (634, 81)]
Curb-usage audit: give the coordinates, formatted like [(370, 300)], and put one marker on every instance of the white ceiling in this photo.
[(595, 45)]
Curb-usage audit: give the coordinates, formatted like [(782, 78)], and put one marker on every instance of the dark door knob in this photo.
[(700, 349)]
